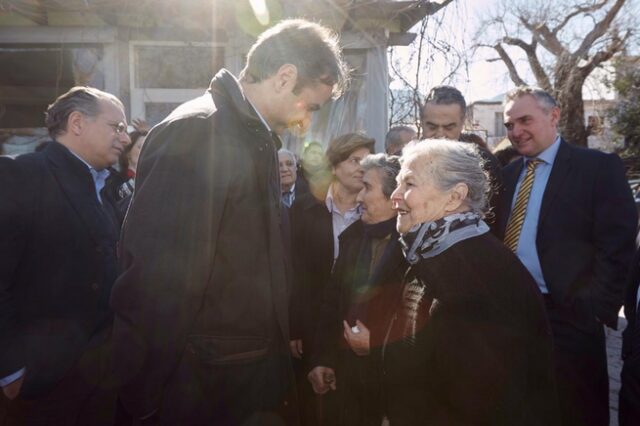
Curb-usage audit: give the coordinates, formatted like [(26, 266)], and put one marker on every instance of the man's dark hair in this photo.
[(80, 98), (446, 95), (341, 147), (311, 47)]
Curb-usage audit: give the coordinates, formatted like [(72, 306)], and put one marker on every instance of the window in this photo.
[(187, 69), (499, 129)]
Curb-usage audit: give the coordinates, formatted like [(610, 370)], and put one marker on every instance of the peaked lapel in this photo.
[(560, 170), (76, 184)]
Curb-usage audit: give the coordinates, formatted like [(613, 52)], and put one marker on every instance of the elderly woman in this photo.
[(469, 343), (355, 310)]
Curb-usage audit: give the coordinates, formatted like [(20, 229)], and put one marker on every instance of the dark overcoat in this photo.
[(57, 265), (203, 296), (470, 343)]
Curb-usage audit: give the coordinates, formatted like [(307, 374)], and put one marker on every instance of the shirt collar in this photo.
[(291, 190), (548, 155), (97, 174), (331, 206)]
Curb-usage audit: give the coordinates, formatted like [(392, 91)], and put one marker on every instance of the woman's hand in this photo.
[(357, 338)]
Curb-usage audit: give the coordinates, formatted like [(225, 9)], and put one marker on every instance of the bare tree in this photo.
[(411, 71), (562, 42)]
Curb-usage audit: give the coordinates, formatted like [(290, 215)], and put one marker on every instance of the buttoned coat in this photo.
[(57, 265)]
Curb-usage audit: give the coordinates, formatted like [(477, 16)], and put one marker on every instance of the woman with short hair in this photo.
[(469, 343), (355, 309)]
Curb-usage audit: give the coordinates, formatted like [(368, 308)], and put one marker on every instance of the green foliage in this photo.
[(625, 116)]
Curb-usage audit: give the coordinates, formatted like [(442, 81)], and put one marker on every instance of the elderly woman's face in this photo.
[(416, 199), (376, 207)]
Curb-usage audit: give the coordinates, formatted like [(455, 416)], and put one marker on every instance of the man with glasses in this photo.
[(58, 235)]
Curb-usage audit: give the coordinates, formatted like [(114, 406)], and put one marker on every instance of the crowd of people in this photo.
[(218, 279)]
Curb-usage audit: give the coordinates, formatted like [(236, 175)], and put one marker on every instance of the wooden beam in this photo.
[(57, 35)]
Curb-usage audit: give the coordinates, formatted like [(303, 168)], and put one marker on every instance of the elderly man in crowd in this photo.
[(288, 175), (469, 342), (202, 321), (397, 137), (568, 214), (58, 235), (358, 301)]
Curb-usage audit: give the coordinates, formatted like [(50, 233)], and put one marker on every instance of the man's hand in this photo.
[(322, 379), (296, 348), (12, 390), (357, 338)]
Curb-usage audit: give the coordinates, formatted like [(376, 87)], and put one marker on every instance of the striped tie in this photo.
[(514, 227)]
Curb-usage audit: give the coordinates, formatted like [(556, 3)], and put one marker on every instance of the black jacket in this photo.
[(470, 344), (202, 250), (57, 265), (586, 232)]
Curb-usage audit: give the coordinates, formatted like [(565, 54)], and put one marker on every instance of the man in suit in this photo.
[(201, 329), (288, 175), (58, 234), (568, 214), (629, 404)]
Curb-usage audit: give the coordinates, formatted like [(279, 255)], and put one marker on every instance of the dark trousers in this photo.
[(629, 403), (247, 394), (580, 360), (85, 397)]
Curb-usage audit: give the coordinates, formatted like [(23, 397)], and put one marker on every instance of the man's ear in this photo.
[(286, 78), (555, 115), (75, 123)]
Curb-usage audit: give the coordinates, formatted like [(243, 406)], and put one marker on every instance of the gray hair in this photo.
[(446, 95), (544, 98), (394, 135), (83, 99), (453, 163), (389, 166), (290, 154)]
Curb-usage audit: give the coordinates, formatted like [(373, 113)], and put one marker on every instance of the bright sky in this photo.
[(483, 80)]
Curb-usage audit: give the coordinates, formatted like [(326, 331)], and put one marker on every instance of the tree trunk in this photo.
[(571, 125)]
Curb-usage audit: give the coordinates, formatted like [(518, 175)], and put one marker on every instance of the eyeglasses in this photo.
[(119, 128)]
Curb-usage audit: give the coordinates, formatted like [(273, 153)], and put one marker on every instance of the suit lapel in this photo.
[(560, 170), (510, 180), (76, 184)]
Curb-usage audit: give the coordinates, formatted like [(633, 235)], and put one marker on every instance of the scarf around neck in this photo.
[(429, 239)]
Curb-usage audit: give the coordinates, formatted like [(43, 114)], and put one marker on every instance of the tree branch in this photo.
[(615, 46), (513, 73), (579, 10), (530, 50), (543, 35), (599, 29)]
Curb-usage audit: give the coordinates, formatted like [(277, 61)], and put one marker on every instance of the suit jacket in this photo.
[(202, 251), (586, 232), (57, 265)]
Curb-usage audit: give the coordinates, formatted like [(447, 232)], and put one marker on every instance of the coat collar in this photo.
[(226, 86), (77, 185)]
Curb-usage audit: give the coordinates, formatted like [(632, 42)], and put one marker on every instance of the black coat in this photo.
[(629, 406), (312, 233), (586, 232), (57, 265), (357, 377), (202, 250), (470, 344)]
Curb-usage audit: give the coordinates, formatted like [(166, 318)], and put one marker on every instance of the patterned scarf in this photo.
[(429, 239)]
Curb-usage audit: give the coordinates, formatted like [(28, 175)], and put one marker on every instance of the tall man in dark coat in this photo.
[(568, 214), (201, 330), (58, 234), (629, 405)]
